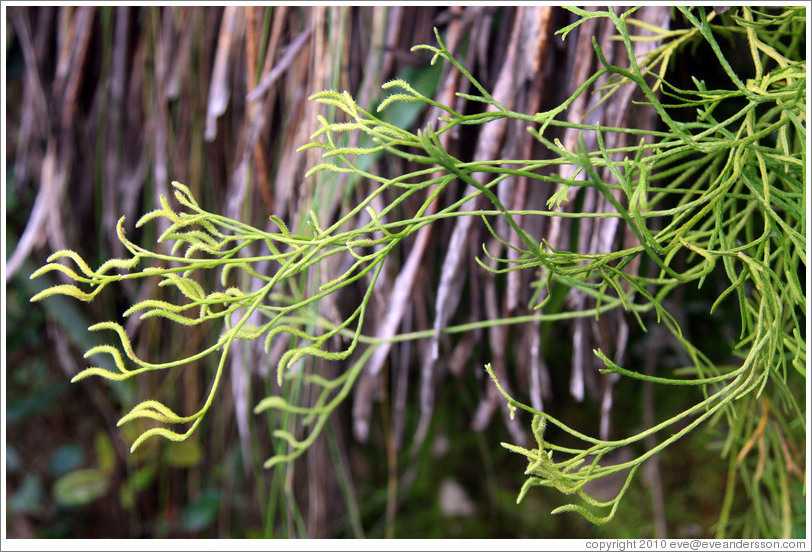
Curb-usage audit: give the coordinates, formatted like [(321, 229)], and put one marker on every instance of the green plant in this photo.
[(719, 196)]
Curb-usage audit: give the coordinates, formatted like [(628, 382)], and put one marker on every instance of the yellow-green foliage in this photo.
[(726, 193)]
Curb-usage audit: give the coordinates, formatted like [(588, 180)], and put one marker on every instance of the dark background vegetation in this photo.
[(106, 105)]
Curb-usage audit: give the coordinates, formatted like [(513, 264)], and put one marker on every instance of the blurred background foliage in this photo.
[(106, 105)]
